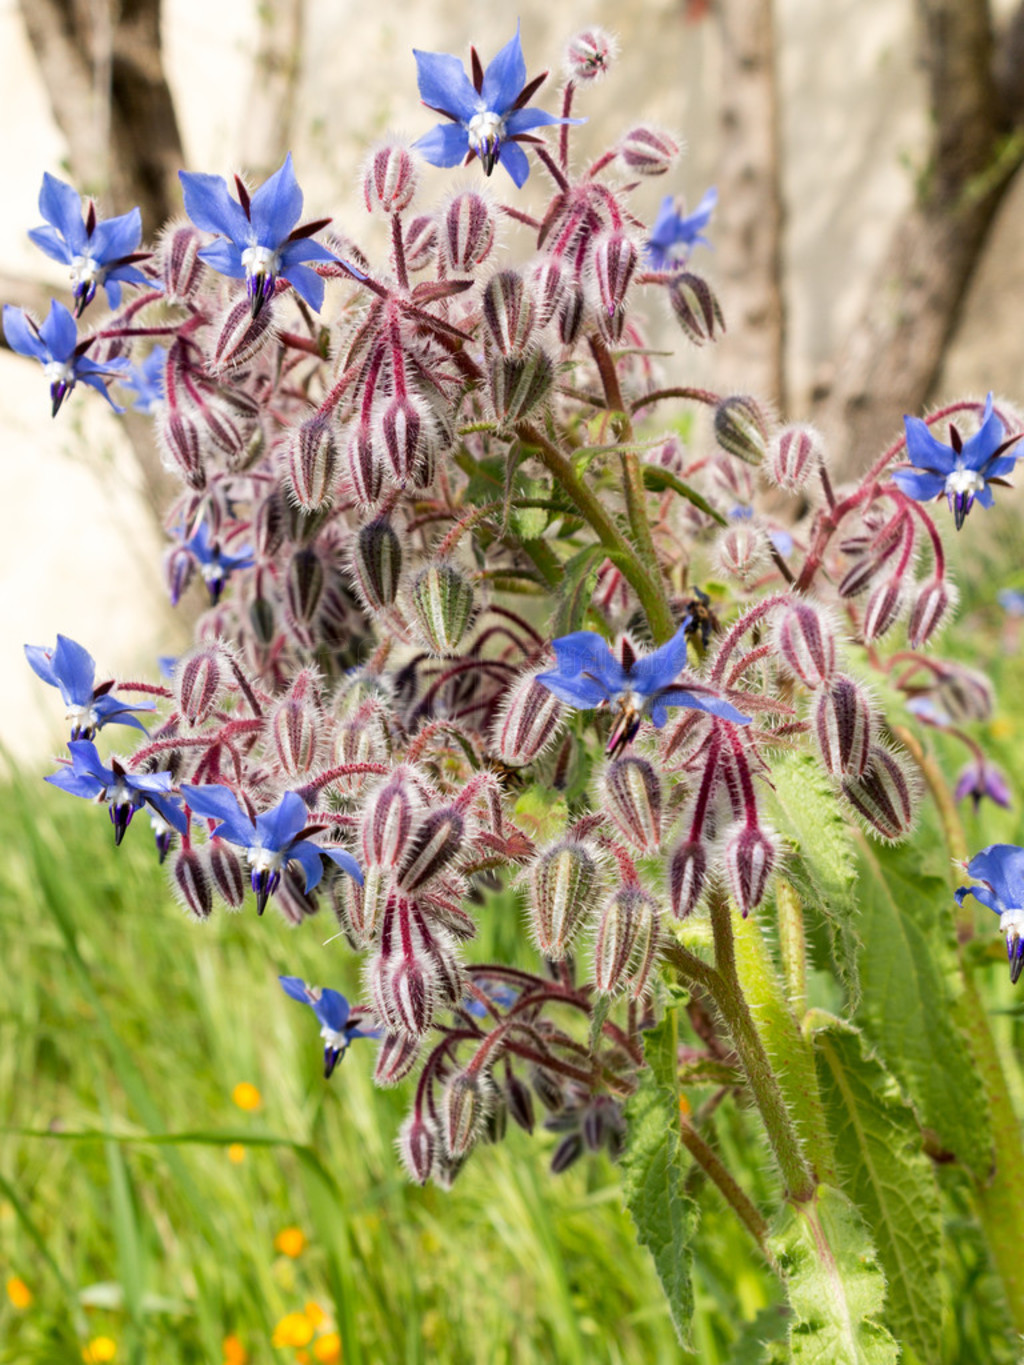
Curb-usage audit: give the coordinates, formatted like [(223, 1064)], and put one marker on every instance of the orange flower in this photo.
[(290, 1241), (246, 1096), (293, 1330), (99, 1351), (234, 1352), (328, 1349), (314, 1313), (236, 1153), (19, 1293)]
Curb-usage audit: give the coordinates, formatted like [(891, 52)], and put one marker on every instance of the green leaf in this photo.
[(657, 479), (528, 523), (835, 1286), (822, 865), (654, 1172), (770, 1325), (889, 1178), (911, 984), (577, 589), (541, 813)]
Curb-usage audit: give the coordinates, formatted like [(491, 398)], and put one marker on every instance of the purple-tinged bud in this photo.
[(179, 568), (355, 742), (632, 795), (742, 429), (311, 461), (549, 281), (268, 525), (228, 432), (749, 858), (365, 466), (742, 550), (226, 873), (295, 730), (626, 942), (304, 584), (240, 336), (404, 432), (417, 1147), (843, 723), (388, 819), (519, 1102), (589, 55), (593, 1129), (696, 307), (199, 682), (981, 780), (805, 640), (964, 693), (178, 260), (365, 905), (465, 1104), (519, 384), (567, 1153), (377, 563), (614, 258), (687, 877), (263, 621), (401, 975), (435, 841), (420, 242), (932, 603), (467, 232), (191, 882), (571, 314), (389, 180), (648, 151), (396, 1058), (870, 564), (548, 1089), (564, 883), (882, 609), (442, 604), (508, 312), (884, 794), (795, 454), (179, 436), (527, 723)]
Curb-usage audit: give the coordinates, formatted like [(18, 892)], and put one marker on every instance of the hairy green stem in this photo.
[(713, 1167)]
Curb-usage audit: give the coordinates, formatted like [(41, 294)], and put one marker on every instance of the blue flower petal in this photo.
[(307, 855), (504, 77), (306, 283), (1000, 468), (332, 1009), (61, 205), (981, 893), (516, 162), (48, 239), (116, 237), (696, 701), (1002, 867), (211, 207), (445, 145), (985, 441), (21, 336), (584, 651), (76, 784), (924, 451), (296, 988), (276, 206), (663, 666), (170, 811), (580, 691), (95, 381), (276, 828), (522, 120), (919, 484), (214, 802), (75, 670), (41, 662), (302, 250), (343, 860), (59, 332), (85, 759), (443, 84), (225, 257)]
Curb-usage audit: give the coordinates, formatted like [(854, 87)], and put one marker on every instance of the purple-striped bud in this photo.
[(263, 621), (179, 568), (964, 693), (519, 383), (564, 882), (508, 312), (311, 463), (304, 584), (268, 525), (632, 797), (571, 315), (589, 55), (420, 242), (687, 877), (805, 640), (742, 550), (404, 432), (389, 180), (190, 878), (626, 942), (613, 259), (465, 1104), (932, 603), (796, 452), (435, 841), (467, 232), (179, 436), (648, 151), (882, 609), (549, 281), (870, 562), (567, 1153), (742, 429), (417, 1146), (178, 261), (402, 991), (388, 819), (355, 741), (226, 873), (295, 730), (199, 682), (519, 1102), (240, 336), (377, 563), (696, 307), (442, 604), (749, 858), (843, 723), (884, 794), (528, 721), (365, 465), (396, 1058)]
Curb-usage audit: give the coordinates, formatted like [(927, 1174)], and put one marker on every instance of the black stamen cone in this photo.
[(1015, 952)]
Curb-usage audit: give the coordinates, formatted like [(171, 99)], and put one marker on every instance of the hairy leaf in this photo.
[(577, 588), (658, 478)]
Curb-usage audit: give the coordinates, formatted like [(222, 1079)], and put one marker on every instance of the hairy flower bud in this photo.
[(742, 429), (295, 729), (179, 568), (199, 683), (626, 942), (178, 261), (589, 55), (508, 312), (632, 797), (226, 873), (268, 525), (401, 975), (179, 436), (932, 604), (871, 558), (435, 841), (884, 794), (805, 640), (696, 307), (687, 877), (467, 232), (396, 1058), (304, 584), (742, 550), (794, 455), (191, 881), (964, 693), (467, 1100), (420, 242), (417, 1146), (377, 563), (613, 259), (519, 383), (442, 603), (240, 336), (389, 179), (519, 1102), (571, 314), (882, 609), (527, 723), (843, 724), (365, 465), (548, 281), (564, 881), (402, 428), (648, 151), (311, 462), (749, 859), (388, 818)]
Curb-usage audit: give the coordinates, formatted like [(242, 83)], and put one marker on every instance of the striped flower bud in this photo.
[(564, 881), (179, 437), (749, 858), (870, 564), (467, 232), (295, 731), (400, 976), (420, 242), (519, 383), (311, 464), (389, 179), (687, 877), (388, 818), (263, 621), (178, 260), (567, 1153), (548, 280), (632, 797), (626, 942), (417, 1146), (179, 568), (191, 881), (933, 602), (648, 151), (964, 693), (240, 336), (742, 429), (884, 794), (805, 640), (508, 312), (467, 1100), (882, 609), (794, 455), (571, 314), (527, 723), (589, 55), (613, 259), (696, 307), (268, 524), (435, 841), (377, 563), (403, 431), (304, 584), (519, 1102), (396, 1058), (365, 465), (200, 680), (355, 742), (742, 550), (442, 604), (843, 724), (226, 874)]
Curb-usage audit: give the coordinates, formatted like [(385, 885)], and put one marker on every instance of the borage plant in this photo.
[(481, 624)]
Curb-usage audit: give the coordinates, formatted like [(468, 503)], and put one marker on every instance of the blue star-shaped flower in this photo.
[(339, 1023), (675, 233), (588, 675), (215, 563), (274, 839), (963, 471), (488, 117), (125, 793), (71, 668), (56, 346), (147, 380), (98, 252), (1000, 869), (260, 241)]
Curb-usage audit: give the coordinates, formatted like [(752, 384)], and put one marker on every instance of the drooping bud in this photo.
[(932, 604), (420, 242), (355, 742), (749, 858), (240, 336), (435, 841), (564, 882), (417, 1145), (632, 797), (884, 794), (843, 723), (742, 550), (549, 281), (263, 621), (191, 881), (311, 461), (404, 430), (179, 436), (519, 1102), (179, 263), (567, 1153), (648, 151), (179, 568), (442, 603), (964, 693), (806, 643), (365, 465), (882, 609), (589, 55), (226, 873), (467, 232), (401, 976), (687, 877), (872, 556), (268, 525), (508, 312), (742, 429), (519, 383), (199, 682), (389, 179), (696, 306), (295, 729), (377, 563), (614, 258), (527, 723), (388, 818), (571, 314), (467, 1100), (796, 452), (396, 1058), (626, 942), (304, 584)]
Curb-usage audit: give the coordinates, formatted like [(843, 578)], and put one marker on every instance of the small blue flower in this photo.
[(1011, 600), (588, 675), (260, 241), (1000, 869), (71, 668), (97, 252), (963, 471), (125, 793), (496, 991), (56, 346), (215, 563), (981, 780), (675, 233), (274, 839), (487, 116), (147, 380), (339, 1023)]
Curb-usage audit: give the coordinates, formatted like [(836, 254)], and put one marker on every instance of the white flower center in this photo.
[(213, 572), (81, 717), (1012, 922), (261, 260), (58, 373), (84, 270), (486, 131), (333, 1038), (964, 481), (264, 860)]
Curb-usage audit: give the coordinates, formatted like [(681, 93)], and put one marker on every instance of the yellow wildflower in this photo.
[(316, 1315), (18, 1292), (234, 1352), (290, 1241), (293, 1330), (236, 1153), (328, 1349), (246, 1096), (99, 1351)]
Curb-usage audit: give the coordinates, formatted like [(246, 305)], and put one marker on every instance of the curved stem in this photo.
[(711, 1163)]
